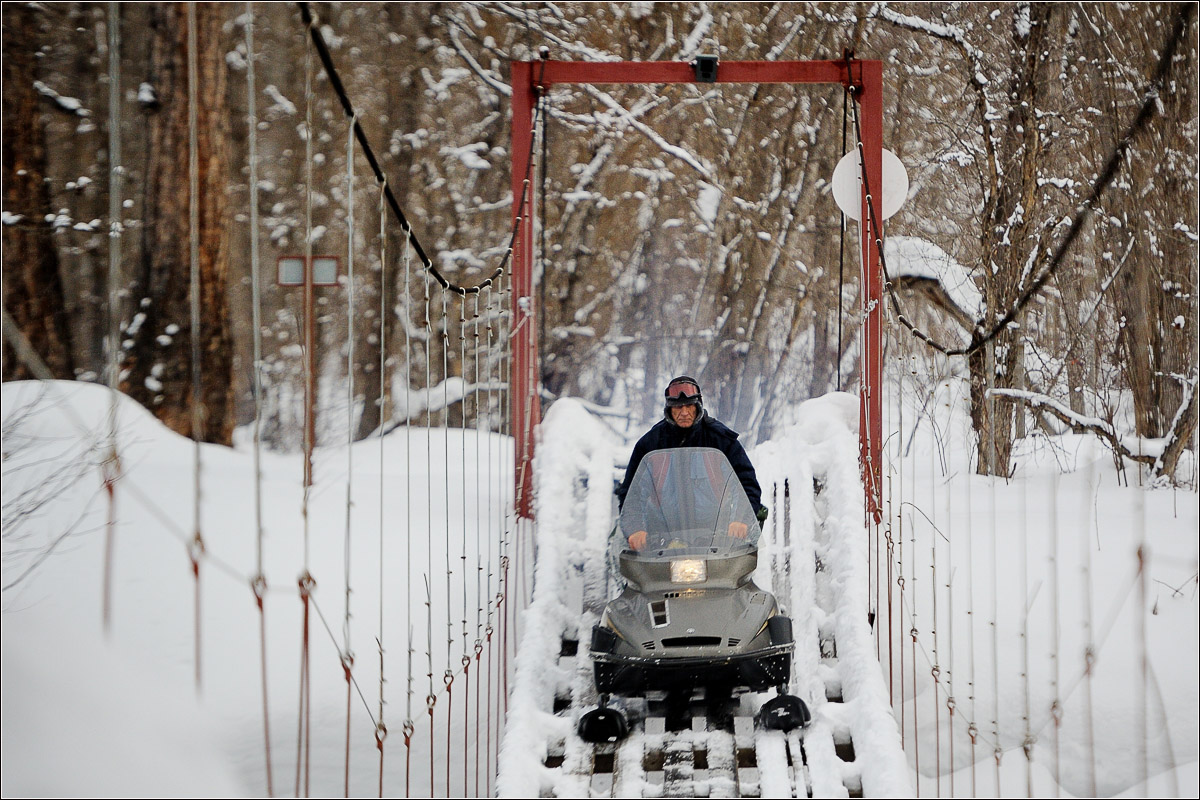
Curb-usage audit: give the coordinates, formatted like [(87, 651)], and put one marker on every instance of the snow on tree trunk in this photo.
[(33, 288), (158, 339)]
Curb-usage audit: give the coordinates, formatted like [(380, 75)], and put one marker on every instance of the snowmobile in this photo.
[(689, 614)]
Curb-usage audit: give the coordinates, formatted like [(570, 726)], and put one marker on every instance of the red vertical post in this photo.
[(525, 405), (870, 416)]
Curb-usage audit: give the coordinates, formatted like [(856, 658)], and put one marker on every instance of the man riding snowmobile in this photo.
[(687, 424)]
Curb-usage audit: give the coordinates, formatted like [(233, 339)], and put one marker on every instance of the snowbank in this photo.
[(82, 719), (424, 528), (575, 452), (821, 443), (1013, 586)]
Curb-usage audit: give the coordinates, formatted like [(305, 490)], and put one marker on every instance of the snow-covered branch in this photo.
[(68, 104), (410, 405), (486, 75), (1182, 427), (629, 118), (976, 76), (1161, 454), (530, 17)]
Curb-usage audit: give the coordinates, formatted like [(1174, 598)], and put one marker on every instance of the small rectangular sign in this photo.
[(325, 270)]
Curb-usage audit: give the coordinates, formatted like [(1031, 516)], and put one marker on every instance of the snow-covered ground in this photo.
[(85, 714), (1027, 576)]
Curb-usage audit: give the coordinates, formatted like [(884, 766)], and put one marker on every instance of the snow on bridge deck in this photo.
[(814, 558)]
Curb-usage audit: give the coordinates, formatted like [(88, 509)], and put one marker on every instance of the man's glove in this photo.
[(761, 516)]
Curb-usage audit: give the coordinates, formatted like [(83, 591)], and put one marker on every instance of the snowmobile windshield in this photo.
[(688, 498)]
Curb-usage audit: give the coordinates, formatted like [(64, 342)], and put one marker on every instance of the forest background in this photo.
[(685, 228)]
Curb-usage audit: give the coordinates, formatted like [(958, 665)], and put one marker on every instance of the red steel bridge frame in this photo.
[(530, 79)]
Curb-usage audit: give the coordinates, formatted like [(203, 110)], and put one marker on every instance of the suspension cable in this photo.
[(333, 640), (936, 670), (336, 82), (409, 726), (1056, 662), (997, 752), (1027, 740), (479, 500), (1089, 631), (305, 582), (841, 253), (973, 713), (430, 697), (465, 658), (197, 544), (913, 633), (1082, 213), (493, 502), (258, 582), (900, 578), (347, 652), (380, 726), (111, 468), (503, 599), (448, 673), (951, 701), (309, 298)]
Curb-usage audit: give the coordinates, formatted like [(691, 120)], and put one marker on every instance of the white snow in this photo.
[(1032, 574), (281, 103), (821, 442), (691, 43), (85, 714), (121, 715), (469, 155), (640, 9), (69, 104), (909, 255), (104, 725), (412, 404), (708, 202), (569, 532)]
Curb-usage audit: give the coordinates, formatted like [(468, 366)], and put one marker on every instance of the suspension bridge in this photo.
[(425, 630)]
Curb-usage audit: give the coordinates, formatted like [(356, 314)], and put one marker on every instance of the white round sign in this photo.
[(847, 185)]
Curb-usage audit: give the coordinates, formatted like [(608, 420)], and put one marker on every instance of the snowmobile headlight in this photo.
[(689, 570)]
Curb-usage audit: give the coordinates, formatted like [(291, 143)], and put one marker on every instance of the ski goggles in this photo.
[(683, 391)]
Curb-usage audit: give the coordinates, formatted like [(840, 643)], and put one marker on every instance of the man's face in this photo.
[(684, 416)]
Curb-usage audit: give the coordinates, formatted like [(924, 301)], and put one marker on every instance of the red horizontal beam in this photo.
[(682, 72)]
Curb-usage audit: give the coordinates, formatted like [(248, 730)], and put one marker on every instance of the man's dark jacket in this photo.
[(705, 432)]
